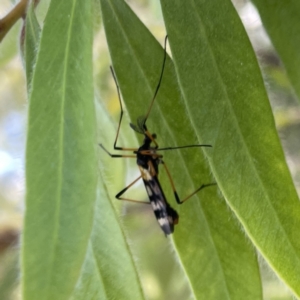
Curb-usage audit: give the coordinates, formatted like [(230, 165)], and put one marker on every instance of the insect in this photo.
[(148, 160)]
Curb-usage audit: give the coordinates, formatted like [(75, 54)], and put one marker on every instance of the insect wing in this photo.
[(140, 125), (166, 216)]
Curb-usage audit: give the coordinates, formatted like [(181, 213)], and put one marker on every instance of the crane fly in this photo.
[(148, 160)]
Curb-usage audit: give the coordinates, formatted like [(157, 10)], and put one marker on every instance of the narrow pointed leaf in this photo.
[(210, 245), (215, 63), (61, 172), (32, 38)]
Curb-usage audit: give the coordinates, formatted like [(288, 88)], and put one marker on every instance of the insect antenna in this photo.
[(181, 147), (121, 107), (159, 82)]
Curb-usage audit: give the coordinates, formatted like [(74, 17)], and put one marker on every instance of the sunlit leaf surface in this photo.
[(61, 172), (215, 63), (208, 240)]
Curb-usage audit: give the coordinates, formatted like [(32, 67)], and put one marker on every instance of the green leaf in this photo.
[(215, 63), (61, 173), (215, 254), (90, 284), (281, 21), (108, 259), (32, 39), (109, 256)]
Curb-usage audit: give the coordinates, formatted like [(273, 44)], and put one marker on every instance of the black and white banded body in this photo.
[(148, 161)]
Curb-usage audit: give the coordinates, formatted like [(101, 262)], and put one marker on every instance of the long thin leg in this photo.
[(116, 155), (159, 82), (174, 189), (181, 147), (121, 115), (118, 196)]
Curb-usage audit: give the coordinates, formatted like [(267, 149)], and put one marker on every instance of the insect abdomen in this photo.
[(166, 216)]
